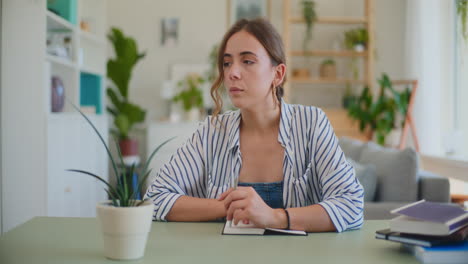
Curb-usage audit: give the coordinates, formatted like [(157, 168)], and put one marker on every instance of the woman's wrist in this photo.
[(280, 219)]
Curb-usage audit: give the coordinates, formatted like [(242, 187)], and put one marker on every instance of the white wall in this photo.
[(23, 159), (202, 24)]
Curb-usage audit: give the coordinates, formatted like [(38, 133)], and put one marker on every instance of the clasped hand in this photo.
[(244, 204)]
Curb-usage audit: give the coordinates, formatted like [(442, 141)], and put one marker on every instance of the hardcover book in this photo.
[(429, 218)]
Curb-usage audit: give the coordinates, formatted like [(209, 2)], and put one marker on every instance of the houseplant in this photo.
[(379, 116), (328, 69), (125, 221), (191, 95), (310, 16), (356, 39), (125, 113)]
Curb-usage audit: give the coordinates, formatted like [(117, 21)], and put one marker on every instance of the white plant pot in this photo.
[(125, 229), (193, 114), (359, 48)]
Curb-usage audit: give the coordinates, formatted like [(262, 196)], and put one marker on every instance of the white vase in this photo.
[(359, 48), (193, 114), (125, 229)]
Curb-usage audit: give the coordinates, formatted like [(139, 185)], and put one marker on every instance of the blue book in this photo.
[(429, 218), (453, 253)]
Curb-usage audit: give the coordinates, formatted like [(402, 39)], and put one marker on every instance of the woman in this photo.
[(269, 163)]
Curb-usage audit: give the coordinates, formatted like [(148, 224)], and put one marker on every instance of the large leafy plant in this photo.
[(380, 115), (123, 195), (119, 70)]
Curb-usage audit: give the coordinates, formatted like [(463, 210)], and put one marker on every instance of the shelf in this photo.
[(92, 37), (61, 61), (57, 23), (332, 20), (329, 53), (325, 81)]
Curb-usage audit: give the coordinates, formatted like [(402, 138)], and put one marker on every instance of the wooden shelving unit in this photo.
[(367, 21)]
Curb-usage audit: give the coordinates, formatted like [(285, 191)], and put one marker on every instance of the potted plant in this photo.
[(125, 113), (310, 16), (328, 69), (356, 39), (191, 95), (379, 116), (125, 221)]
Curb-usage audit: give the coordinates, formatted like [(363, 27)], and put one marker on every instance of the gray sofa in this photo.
[(391, 178)]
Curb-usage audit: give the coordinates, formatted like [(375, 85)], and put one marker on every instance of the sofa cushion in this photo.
[(366, 175), (396, 172), (352, 148)]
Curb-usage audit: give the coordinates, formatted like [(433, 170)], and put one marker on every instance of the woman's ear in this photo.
[(280, 72)]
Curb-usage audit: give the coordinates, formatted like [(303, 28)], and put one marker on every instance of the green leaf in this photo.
[(123, 125), (99, 135)]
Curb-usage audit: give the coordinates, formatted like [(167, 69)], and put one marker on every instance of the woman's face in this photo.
[(248, 71)]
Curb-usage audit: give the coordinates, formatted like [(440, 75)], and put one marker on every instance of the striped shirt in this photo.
[(315, 169)]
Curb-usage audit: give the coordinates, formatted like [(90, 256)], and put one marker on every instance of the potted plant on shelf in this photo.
[(124, 220), (191, 95), (380, 116), (125, 113), (328, 69), (356, 39), (310, 16)]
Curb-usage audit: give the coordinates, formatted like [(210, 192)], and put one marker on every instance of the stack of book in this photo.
[(434, 232)]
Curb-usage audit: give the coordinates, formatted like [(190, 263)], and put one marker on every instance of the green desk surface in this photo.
[(79, 240)]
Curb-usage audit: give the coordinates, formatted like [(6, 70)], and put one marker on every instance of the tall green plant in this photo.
[(380, 115), (119, 70), (462, 11), (123, 195)]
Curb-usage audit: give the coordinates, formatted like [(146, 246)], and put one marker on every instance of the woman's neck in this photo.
[(261, 120)]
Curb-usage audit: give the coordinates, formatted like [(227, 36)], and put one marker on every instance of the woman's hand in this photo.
[(244, 204)]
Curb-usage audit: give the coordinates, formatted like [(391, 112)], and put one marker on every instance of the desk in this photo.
[(78, 240)]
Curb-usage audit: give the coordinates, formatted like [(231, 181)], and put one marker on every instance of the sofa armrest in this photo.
[(433, 187)]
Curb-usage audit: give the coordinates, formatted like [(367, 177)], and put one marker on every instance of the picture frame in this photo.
[(169, 32), (249, 9)]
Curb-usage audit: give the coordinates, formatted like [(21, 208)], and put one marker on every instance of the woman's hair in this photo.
[(270, 39)]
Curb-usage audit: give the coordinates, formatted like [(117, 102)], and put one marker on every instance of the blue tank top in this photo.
[(271, 192)]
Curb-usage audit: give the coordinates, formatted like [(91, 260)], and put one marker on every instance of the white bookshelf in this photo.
[(38, 145)]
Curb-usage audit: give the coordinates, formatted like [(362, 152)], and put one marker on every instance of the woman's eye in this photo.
[(226, 64), (248, 62)]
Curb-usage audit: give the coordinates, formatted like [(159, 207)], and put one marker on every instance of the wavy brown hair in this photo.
[(270, 39)]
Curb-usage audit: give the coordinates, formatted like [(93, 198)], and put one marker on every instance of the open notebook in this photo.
[(243, 229)]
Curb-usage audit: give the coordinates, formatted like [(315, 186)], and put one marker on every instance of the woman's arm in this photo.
[(192, 209), (342, 194), (183, 176), (312, 218), (244, 204)]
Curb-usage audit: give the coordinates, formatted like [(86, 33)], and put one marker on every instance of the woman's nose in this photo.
[(234, 72)]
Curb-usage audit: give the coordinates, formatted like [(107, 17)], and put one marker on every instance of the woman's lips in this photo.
[(235, 90)]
